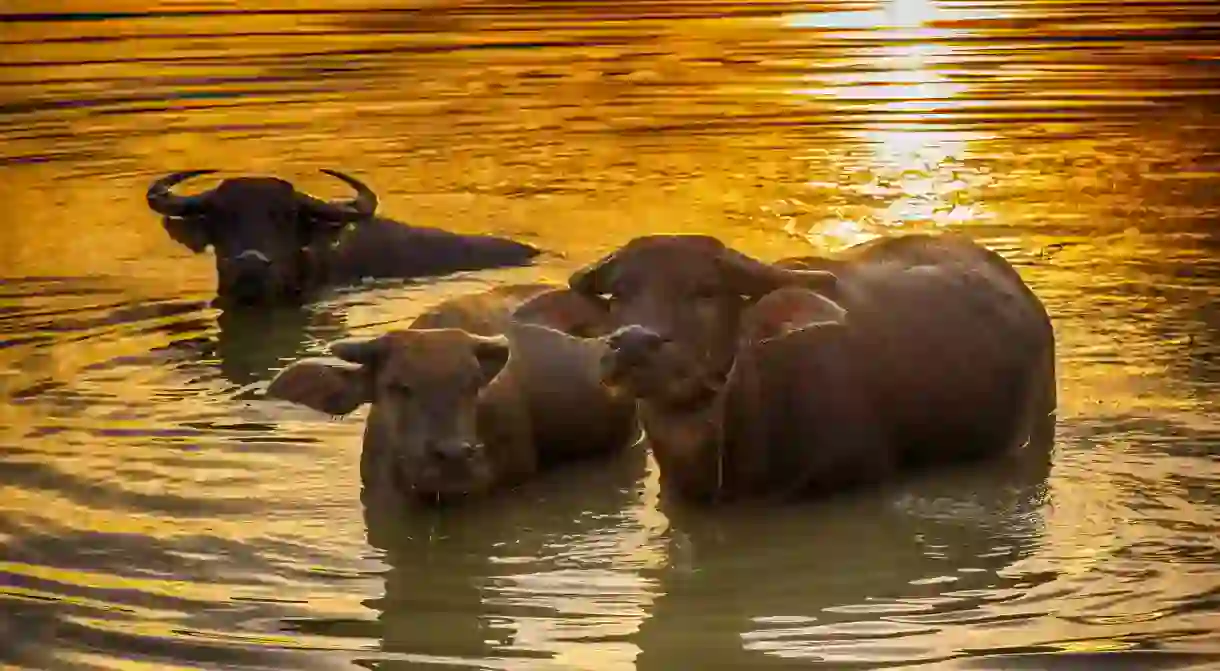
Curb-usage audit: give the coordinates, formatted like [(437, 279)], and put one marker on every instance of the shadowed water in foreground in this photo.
[(155, 512)]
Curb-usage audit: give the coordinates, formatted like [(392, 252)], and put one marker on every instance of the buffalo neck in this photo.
[(687, 443), (711, 449)]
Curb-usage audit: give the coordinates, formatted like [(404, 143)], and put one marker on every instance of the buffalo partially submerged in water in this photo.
[(274, 244), (471, 398), (809, 375)]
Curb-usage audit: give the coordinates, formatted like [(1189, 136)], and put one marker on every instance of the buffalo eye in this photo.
[(399, 389)]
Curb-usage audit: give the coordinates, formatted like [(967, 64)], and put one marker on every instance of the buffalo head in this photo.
[(684, 294), (423, 387), (262, 230)]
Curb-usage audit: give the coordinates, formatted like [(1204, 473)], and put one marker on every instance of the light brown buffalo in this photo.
[(470, 398), (809, 375)]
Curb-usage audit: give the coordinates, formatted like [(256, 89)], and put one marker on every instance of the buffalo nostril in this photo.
[(248, 271), (252, 257), (452, 452), (635, 340)]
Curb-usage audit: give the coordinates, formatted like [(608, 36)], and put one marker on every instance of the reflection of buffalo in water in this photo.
[(456, 589), (244, 347), (740, 584), (247, 345), (250, 345), (274, 244), (845, 578)]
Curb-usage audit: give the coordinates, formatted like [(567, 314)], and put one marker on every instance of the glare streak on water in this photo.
[(155, 513)]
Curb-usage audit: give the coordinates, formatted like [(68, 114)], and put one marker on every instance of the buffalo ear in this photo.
[(322, 386), (190, 232), (810, 334), (752, 277), (363, 351), (492, 353), (786, 310), (318, 232), (593, 279), (566, 310)]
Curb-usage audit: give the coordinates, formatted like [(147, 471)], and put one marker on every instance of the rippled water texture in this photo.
[(156, 513)]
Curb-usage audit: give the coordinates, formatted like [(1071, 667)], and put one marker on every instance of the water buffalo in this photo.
[(274, 244), (469, 398), (809, 375)]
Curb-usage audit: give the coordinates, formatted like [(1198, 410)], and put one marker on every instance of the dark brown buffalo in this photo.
[(813, 374), (274, 244), (470, 399)]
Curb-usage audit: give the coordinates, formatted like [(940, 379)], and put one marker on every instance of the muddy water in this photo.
[(156, 513)]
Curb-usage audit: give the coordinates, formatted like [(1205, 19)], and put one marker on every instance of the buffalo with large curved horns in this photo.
[(275, 244)]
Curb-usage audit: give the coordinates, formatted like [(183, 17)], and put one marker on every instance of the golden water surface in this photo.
[(155, 512)]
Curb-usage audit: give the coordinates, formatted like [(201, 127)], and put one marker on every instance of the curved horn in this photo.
[(359, 208), (755, 278), (591, 280), (161, 198)]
